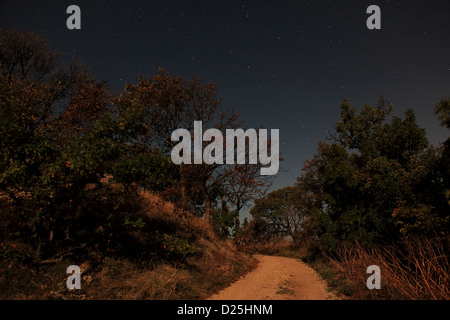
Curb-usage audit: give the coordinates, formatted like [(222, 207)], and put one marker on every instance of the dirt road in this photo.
[(277, 278)]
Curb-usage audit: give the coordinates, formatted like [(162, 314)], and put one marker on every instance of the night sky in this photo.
[(282, 64)]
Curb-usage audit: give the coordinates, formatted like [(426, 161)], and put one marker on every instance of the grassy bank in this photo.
[(196, 278), (415, 269), (170, 255)]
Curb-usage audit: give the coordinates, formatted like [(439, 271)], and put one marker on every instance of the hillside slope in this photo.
[(129, 245)]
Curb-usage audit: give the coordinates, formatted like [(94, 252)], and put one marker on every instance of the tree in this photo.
[(442, 110), (373, 182), (370, 133), (243, 184), (154, 108), (49, 151), (223, 218), (285, 213), (25, 57)]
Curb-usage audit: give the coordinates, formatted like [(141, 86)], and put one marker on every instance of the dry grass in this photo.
[(283, 247), (211, 264), (417, 269), (218, 265)]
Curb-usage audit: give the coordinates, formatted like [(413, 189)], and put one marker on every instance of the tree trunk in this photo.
[(184, 201), (237, 222), (208, 210)]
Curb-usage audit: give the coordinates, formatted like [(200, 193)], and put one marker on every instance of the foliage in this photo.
[(223, 220), (378, 181), (177, 247), (154, 107), (442, 110), (151, 170), (284, 213), (62, 133)]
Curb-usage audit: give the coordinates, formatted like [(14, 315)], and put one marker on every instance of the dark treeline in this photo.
[(376, 181), (62, 133), (376, 193)]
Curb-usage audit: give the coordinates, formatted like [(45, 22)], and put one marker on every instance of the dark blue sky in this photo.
[(282, 64)]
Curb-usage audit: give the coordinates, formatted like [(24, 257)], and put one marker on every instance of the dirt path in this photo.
[(277, 278)]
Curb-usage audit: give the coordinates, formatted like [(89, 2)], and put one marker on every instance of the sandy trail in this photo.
[(277, 278)]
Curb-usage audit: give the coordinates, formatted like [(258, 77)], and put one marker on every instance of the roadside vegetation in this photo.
[(86, 178), (376, 193), (158, 252)]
